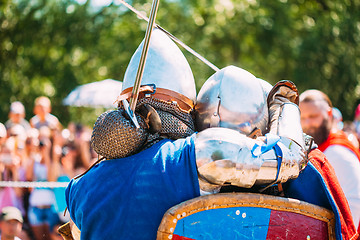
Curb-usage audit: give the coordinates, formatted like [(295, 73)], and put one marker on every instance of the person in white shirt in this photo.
[(43, 117), (17, 116), (317, 121)]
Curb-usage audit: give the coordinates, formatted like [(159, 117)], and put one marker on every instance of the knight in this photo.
[(148, 169), (232, 111), (231, 100)]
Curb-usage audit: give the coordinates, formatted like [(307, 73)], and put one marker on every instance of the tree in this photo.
[(50, 47)]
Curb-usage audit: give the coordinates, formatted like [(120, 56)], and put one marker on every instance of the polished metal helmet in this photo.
[(167, 92), (232, 98), (266, 86), (165, 66)]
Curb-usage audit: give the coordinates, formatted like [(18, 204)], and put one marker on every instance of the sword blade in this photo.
[(139, 74), (186, 47)]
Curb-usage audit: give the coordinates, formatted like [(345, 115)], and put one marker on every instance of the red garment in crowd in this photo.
[(340, 138), (318, 159)]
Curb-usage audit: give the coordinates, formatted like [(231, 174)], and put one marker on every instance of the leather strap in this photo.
[(284, 83), (167, 95)]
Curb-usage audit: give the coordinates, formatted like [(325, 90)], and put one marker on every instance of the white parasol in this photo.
[(96, 94)]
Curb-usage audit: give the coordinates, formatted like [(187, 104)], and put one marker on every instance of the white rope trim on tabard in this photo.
[(19, 184)]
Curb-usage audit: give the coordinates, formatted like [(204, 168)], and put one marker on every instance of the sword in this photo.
[(135, 91), (190, 50)]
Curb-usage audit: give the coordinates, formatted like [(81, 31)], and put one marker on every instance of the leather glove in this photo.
[(65, 231), (284, 91)]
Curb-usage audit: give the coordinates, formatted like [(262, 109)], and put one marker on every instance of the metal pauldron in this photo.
[(225, 156)]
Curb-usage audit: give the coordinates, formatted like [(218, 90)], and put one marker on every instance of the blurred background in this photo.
[(49, 47), (62, 63)]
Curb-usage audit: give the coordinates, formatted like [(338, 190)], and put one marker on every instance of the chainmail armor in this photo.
[(175, 123), (114, 136)]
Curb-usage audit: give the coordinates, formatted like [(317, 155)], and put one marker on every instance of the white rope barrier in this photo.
[(19, 184)]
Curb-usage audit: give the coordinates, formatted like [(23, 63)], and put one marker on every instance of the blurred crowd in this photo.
[(41, 150), (350, 128)]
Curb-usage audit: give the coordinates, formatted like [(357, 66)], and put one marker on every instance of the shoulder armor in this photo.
[(225, 156)]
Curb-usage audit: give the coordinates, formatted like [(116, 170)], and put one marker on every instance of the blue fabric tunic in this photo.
[(126, 198), (310, 187)]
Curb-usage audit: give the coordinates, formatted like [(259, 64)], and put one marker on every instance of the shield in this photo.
[(96, 94), (246, 216)]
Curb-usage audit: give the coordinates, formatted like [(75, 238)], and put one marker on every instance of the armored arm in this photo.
[(225, 156), (284, 113)]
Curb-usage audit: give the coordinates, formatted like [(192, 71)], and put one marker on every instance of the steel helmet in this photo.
[(165, 66), (232, 98)]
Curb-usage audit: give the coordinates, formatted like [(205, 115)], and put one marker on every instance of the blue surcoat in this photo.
[(126, 198)]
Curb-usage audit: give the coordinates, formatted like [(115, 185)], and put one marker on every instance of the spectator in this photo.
[(79, 136), (16, 140), (11, 167), (62, 170), (357, 122), (338, 123), (43, 117), (349, 129), (11, 222), (316, 120), (82, 145), (17, 116), (3, 135), (42, 215), (8, 196)]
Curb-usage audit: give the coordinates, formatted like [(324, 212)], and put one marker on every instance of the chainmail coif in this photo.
[(114, 136)]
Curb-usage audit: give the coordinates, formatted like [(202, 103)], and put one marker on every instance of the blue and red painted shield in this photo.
[(246, 216)]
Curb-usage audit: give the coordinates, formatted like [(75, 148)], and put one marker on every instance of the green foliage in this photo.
[(50, 47)]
